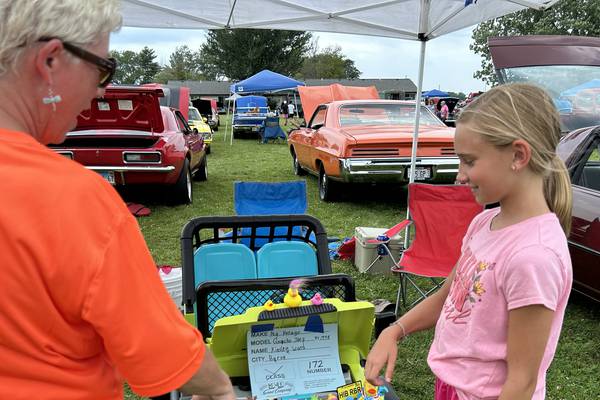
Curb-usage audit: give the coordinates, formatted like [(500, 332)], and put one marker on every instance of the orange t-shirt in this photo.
[(82, 306)]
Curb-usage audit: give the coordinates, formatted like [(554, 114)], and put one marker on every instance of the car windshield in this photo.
[(389, 114), (194, 115), (575, 90)]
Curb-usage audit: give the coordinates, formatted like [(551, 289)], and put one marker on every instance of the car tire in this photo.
[(326, 187), (202, 171), (207, 149), (182, 190), (298, 170)]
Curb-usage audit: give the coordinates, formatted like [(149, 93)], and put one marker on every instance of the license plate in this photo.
[(109, 176), (421, 173), (254, 129)]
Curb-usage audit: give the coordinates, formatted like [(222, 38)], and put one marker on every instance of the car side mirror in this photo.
[(204, 119)]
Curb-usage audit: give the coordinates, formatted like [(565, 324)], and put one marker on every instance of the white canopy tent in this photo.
[(420, 20)]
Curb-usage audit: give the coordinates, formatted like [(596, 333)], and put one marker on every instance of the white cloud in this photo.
[(449, 64)]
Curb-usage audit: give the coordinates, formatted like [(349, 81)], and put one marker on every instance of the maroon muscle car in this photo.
[(566, 67), (130, 139)]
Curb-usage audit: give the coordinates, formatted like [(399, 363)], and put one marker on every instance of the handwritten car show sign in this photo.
[(290, 361)]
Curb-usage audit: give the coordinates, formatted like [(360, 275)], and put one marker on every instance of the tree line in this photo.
[(236, 55)]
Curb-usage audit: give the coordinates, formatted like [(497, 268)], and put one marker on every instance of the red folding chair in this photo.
[(441, 215)]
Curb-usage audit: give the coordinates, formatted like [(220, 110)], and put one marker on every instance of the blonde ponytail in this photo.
[(558, 194)]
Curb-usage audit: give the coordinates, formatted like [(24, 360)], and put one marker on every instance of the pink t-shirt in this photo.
[(523, 264)]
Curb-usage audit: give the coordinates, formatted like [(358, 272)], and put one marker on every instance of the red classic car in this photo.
[(566, 66), (130, 139), (370, 141)]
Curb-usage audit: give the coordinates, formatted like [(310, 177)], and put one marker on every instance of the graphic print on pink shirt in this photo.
[(467, 288)]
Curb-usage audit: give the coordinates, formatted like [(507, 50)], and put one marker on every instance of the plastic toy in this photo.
[(317, 300), (293, 297), (269, 305)]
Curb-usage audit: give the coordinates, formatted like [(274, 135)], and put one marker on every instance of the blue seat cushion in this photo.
[(286, 259)]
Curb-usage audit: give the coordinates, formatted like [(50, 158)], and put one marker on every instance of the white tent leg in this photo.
[(413, 154), (228, 121), (232, 115)]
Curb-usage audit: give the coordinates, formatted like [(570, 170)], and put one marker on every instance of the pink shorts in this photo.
[(443, 391)]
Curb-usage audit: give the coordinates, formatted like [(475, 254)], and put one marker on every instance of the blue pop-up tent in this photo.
[(434, 93), (263, 82)]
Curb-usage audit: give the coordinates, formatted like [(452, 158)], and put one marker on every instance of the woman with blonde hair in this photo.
[(82, 305), (499, 314)]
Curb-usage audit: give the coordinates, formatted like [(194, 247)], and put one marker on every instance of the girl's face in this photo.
[(483, 166)]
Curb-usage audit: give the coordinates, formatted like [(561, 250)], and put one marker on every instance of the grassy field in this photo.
[(576, 368)]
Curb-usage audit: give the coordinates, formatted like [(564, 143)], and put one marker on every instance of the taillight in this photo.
[(142, 157)]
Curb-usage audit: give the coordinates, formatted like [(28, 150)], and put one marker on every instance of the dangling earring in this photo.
[(513, 167), (52, 99)]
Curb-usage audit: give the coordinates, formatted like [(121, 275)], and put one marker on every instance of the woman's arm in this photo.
[(528, 331), (210, 382), (423, 316)]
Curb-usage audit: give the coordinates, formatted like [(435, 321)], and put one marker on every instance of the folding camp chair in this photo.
[(441, 215), (271, 130)]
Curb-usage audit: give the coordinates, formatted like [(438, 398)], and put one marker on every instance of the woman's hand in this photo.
[(383, 354)]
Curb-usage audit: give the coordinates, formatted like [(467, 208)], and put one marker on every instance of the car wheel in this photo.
[(202, 172), (182, 190), (298, 170), (207, 149), (326, 186)]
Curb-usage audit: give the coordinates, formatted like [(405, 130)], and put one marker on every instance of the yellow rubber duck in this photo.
[(269, 305), (293, 297)]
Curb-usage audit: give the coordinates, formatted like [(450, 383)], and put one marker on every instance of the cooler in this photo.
[(366, 257)]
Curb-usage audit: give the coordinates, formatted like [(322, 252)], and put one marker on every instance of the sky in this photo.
[(449, 64)]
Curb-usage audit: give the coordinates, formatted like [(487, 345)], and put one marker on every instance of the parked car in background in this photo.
[(250, 114), (129, 139), (370, 141), (198, 124), (565, 66), (208, 110)]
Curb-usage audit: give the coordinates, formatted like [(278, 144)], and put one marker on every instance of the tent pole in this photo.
[(228, 121), (413, 154), (232, 115)]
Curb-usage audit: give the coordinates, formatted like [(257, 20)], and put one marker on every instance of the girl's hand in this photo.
[(383, 354)]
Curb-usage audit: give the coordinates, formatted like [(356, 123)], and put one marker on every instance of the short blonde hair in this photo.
[(23, 22), (524, 111)]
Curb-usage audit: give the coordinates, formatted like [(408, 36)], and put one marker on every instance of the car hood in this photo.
[(124, 108), (395, 134)]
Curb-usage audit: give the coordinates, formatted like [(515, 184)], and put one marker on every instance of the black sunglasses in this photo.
[(106, 66)]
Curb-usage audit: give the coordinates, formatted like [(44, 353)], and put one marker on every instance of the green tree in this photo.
[(240, 53), (183, 65), (147, 66), (135, 68), (566, 17), (127, 68), (330, 63)]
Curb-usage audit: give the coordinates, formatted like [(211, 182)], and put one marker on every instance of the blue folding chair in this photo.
[(268, 198), (272, 130)]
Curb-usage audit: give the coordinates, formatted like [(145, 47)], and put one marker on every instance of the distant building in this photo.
[(396, 89)]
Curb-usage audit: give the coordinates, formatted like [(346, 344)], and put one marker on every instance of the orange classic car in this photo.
[(370, 141)]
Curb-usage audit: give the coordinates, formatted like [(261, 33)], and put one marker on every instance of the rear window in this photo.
[(385, 114)]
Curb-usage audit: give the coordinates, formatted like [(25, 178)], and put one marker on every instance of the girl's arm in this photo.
[(528, 331), (423, 316)]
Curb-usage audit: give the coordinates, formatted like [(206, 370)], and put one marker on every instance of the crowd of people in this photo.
[(83, 307)]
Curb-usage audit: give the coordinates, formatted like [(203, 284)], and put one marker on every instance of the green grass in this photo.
[(574, 373)]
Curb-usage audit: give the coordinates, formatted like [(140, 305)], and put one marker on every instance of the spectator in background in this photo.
[(444, 111), (284, 111), (291, 110)]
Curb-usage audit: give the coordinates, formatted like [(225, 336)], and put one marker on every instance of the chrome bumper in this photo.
[(132, 168), (373, 170)]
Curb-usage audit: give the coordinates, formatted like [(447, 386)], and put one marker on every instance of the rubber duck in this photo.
[(317, 300), (269, 305), (293, 297)]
